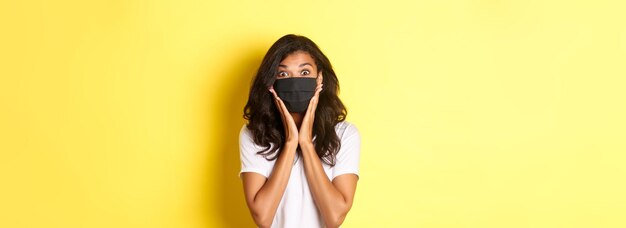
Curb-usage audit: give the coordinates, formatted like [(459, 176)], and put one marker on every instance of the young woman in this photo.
[(299, 157)]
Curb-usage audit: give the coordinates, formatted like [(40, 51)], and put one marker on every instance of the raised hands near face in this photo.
[(296, 90), (291, 130), (305, 135)]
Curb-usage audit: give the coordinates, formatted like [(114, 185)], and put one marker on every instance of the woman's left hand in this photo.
[(305, 136)]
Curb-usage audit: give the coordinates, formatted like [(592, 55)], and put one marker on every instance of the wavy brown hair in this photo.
[(264, 120)]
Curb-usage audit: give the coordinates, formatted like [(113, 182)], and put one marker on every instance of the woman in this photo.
[(299, 158)]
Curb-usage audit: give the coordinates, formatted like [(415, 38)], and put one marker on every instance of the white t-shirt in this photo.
[(296, 208)]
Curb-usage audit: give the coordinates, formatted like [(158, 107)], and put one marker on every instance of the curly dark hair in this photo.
[(264, 120)]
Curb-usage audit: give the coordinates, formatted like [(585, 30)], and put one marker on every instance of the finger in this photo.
[(273, 92), (280, 105), (286, 116), (310, 111), (320, 78), (319, 86), (316, 99), (278, 101)]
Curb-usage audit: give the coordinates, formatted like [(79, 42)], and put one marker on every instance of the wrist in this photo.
[(291, 141), (306, 145), (291, 145), (304, 140)]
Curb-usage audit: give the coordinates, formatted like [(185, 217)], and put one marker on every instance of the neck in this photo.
[(297, 117)]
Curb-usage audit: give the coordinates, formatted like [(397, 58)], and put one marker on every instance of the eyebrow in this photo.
[(301, 65)]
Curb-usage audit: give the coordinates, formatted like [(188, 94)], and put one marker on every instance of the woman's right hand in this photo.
[(291, 130)]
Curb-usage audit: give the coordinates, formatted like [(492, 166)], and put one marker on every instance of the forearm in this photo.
[(268, 198), (331, 203)]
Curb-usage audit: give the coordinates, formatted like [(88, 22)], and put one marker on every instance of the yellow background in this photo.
[(472, 113)]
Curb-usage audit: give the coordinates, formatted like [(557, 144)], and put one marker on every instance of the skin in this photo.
[(333, 199)]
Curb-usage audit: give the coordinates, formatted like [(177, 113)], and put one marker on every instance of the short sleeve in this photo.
[(349, 154), (250, 160)]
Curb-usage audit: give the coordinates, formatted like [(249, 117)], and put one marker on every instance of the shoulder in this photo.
[(247, 146), (346, 129), (245, 136), (244, 130), (349, 152)]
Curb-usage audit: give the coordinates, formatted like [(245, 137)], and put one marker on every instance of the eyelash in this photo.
[(280, 74)]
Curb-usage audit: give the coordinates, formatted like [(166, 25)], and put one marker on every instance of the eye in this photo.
[(283, 74), (305, 72)]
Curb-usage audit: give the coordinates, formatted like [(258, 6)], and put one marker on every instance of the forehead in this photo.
[(298, 58)]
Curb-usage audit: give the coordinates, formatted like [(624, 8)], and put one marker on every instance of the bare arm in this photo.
[(263, 195), (333, 199)]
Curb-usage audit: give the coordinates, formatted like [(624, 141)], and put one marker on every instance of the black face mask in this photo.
[(296, 92)]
